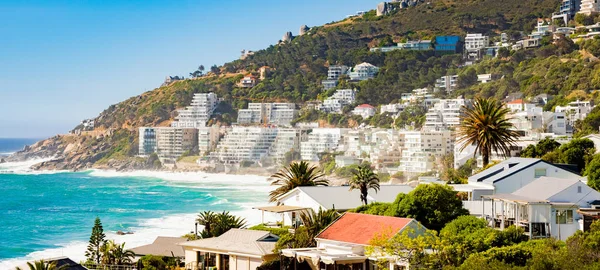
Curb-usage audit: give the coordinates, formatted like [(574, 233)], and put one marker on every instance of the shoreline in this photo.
[(146, 230)]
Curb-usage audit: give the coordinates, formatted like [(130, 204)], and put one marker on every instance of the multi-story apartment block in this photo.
[(445, 114), (208, 137), (245, 144), (567, 10), (340, 99), (447, 44), (268, 113), (333, 75), (169, 143), (576, 110), (386, 149), (287, 140), (519, 105), (320, 140), (391, 108), (363, 72), (446, 83), (421, 149), (589, 7), (535, 120), (198, 113), (416, 45), (475, 45)]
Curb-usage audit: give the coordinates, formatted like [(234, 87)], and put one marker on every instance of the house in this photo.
[(547, 207), (514, 173), (237, 249), (248, 81), (342, 245), (446, 83), (364, 110), (474, 45), (363, 72), (519, 105), (447, 44), (64, 263), (162, 246), (576, 110), (340, 198)]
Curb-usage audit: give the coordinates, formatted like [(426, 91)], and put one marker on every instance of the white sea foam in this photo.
[(24, 167), (144, 233), (148, 230)]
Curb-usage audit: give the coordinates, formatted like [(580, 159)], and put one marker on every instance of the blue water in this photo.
[(14, 145), (45, 211)]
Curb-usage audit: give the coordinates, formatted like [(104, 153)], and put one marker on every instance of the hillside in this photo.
[(299, 66)]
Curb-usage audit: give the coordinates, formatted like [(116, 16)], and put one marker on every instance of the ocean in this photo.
[(51, 214)]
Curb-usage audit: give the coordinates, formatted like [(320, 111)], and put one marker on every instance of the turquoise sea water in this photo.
[(45, 215)]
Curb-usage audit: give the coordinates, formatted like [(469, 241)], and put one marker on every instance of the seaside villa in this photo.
[(237, 249), (342, 244)]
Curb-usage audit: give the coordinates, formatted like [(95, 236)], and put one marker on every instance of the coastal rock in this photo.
[(303, 30)]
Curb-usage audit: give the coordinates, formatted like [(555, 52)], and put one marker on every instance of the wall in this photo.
[(301, 200), (190, 255), (516, 181), (566, 230), (572, 195)]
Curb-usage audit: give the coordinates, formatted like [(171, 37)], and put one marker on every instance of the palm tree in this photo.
[(115, 254), (364, 179), (315, 222), (207, 219), (42, 265), (216, 224), (297, 174), (487, 127)]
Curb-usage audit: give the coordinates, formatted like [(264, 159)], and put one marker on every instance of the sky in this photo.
[(62, 61)]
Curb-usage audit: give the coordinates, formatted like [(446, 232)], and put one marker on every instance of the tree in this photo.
[(216, 224), (592, 171), (43, 265), (543, 147), (467, 78), (295, 175), (503, 52), (433, 205), (116, 254), (215, 69), (315, 222), (364, 179), (94, 249), (488, 128)]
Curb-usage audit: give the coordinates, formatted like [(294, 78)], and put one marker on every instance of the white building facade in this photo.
[(198, 113)]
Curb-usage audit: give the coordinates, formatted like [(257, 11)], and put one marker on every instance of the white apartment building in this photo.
[(245, 144), (589, 7), (421, 149), (364, 110), (268, 113), (446, 83), (169, 143), (386, 149), (198, 113), (320, 140), (445, 114), (208, 138), (391, 108), (288, 139), (333, 75), (576, 110), (474, 45), (535, 120), (363, 72), (340, 99)]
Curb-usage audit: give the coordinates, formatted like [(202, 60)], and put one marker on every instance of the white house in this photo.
[(342, 245), (340, 198), (363, 72), (546, 207), (514, 173), (519, 105), (364, 110), (237, 249)]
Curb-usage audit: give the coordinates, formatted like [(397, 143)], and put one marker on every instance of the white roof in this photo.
[(544, 188), (240, 241), (342, 198)]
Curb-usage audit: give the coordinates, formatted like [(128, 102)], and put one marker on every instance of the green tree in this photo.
[(43, 265), (433, 205), (577, 152), (467, 78), (592, 171), (216, 224), (295, 175), (207, 219), (94, 249), (116, 254), (543, 147), (315, 222), (364, 179), (488, 128)]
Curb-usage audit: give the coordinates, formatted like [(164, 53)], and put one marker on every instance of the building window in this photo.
[(540, 172), (564, 216), (297, 197), (579, 189)]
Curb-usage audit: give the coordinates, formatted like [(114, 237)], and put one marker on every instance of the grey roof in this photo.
[(252, 242), (516, 198), (61, 262), (504, 169), (162, 246), (544, 188), (342, 198)]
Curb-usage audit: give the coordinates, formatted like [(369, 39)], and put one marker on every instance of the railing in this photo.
[(93, 266), (482, 208)]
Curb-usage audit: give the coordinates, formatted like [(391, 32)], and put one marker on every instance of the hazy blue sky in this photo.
[(64, 61)]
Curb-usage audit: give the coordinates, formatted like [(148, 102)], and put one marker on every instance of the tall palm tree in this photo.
[(116, 254), (297, 174), (364, 179), (216, 224), (207, 219), (487, 126), (43, 265), (315, 222)]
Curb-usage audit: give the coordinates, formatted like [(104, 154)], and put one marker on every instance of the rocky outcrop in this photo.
[(287, 37), (303, 30)]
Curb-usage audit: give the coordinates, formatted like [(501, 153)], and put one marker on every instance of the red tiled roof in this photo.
[(361, 228), (516, 101), (365, 106)]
